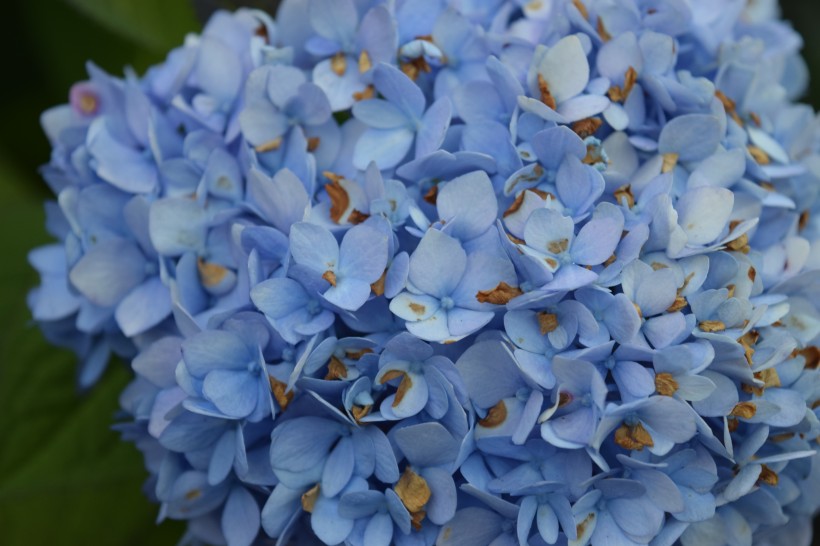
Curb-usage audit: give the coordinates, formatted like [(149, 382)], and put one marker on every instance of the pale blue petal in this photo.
[(565, 68), (437, 264), (442, 504), (145, 307), (434, 126), (468, 204), (379, 530), (314, 247), (380, 114), (109, 271), (338, 468), (329, 526), (387, 147), (232, 392), (363, 254), (240, 517), (692, 136)]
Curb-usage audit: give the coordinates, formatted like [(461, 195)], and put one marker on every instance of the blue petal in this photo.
[(329, 526), (218, 70), (565, 68), (338, 468), (379, 530), (692, 136), (109, 271), (278, 297), (704, 212), (281, 200), (412, 307), (363, 254), (314, 247), (360, 504), (442, 504), (468, 204), (334, 19), (387, 147), (222, 458), (471, 527), (339, 90), (232, 392), (302, 443), (397, 88), (310, 106), (437, 264), (177, 226), (145, 307), (553, 144), (380, 114), (240, 518), (349, 294), (547, 523), (489, 372), (434, 126), (215, 350), (596, 241), (280, 506), (427, 444)]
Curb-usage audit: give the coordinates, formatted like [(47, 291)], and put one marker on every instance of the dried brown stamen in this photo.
[(620, 94), (357, 217), (547, 322), (309, 498), (559, 246), (679, 303), (338, 64), (803, 220), (404, 386), (669, 162), (496, 415), (365, 63), (546, 96), (269, 146), (665, 384), (711, 326), (499, 295), (729, 106), (587, 127), (336, 369), (624, 196), (368, 93), (633, 437), (768, 476), (432, 194), (759, 155), (812, 356), (582, 9), (360, 412), (413, 491), (330, 277), (744, 410), (378, 286), (210, 274), (339, 199), (282, 396), (602, 32)]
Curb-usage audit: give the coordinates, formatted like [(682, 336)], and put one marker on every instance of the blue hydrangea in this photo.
[(454, 273)]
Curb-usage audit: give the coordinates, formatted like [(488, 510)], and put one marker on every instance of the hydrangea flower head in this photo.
[(454, 273)]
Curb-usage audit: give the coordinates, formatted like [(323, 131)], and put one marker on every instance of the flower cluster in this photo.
[(455, 272)]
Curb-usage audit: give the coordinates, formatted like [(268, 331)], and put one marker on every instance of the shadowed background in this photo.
[(65, 477)]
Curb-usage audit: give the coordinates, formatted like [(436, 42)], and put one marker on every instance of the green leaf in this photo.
[(155, 24), (65, 476)]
